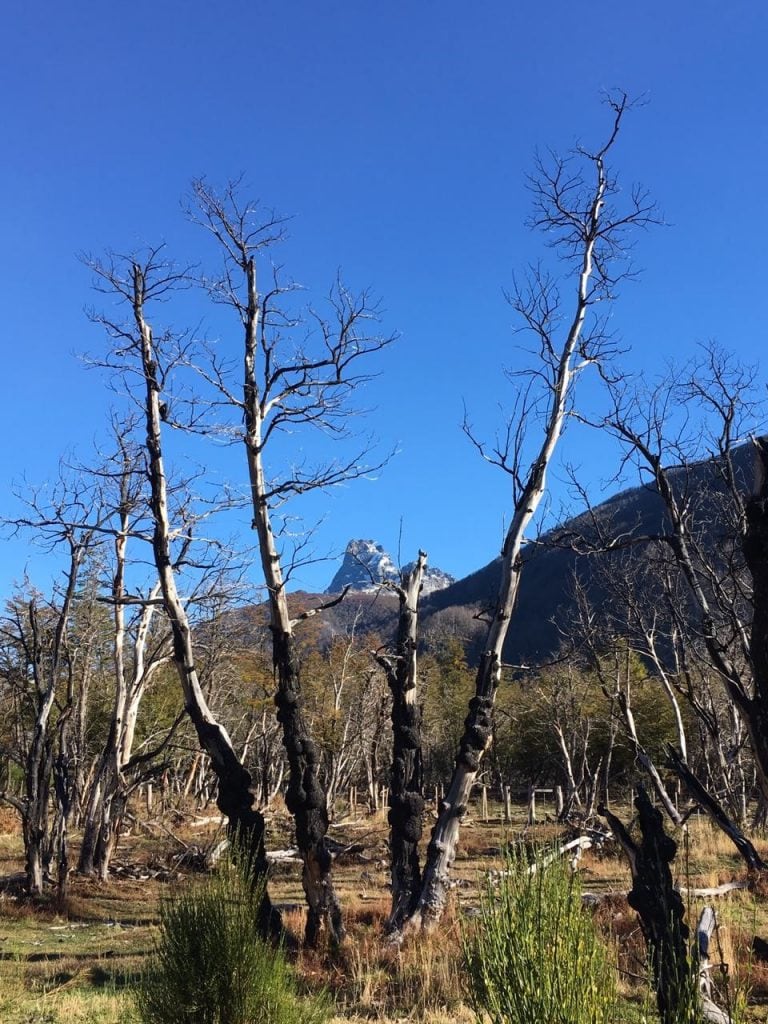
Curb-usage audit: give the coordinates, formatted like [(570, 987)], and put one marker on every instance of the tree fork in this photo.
[(235, 799), (586, 227)]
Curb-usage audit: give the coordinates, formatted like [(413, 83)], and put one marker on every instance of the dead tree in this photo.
[(713, 534), (286, 385), (137, 653), (660, 909), (711, 805), (38, 666), (406, 795), (577, 208), (47, 655), (611, 658), (136, 351)]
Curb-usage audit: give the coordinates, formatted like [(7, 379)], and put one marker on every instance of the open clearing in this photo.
[(78, 962)]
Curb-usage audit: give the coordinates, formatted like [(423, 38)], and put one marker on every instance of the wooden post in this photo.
[(484, 804), (711, 1012), (531, 805), (507, 795)]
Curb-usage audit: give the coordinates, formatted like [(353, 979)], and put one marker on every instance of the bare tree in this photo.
[(43, 665), (611, 654), (576, 201), (122, 481), (684, 435), (137, 352), (660, 909), (299, 369)]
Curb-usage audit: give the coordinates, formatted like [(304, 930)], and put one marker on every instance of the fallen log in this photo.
[(717, 890)]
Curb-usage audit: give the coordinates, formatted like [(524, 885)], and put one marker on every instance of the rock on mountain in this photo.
[(366, 565)]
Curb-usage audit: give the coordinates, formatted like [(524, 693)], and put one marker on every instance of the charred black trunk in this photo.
[(755, 547), (406, 795), (305, 798), (441, 852), (478, 725), (245, 824), (406, 809), (660, 908)]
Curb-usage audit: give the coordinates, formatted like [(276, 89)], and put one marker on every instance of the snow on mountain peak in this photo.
[(367, 565)]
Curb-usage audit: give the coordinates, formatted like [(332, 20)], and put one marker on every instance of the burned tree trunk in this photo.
[(293, 377), (441, 851), (406, 797), (755, 547), (587, 229), (305, 798), (235, 799), (660, 908)]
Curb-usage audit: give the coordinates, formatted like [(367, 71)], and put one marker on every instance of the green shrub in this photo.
[(533, 956), (211, 967)]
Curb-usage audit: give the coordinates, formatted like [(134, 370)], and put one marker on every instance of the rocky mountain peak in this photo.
[(366, 565)]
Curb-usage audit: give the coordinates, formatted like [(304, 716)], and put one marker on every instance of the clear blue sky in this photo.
[(398, 135)]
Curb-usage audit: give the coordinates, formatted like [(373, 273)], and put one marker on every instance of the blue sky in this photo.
[(398, 135)]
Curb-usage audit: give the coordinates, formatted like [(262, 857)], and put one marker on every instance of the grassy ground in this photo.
[(77, 963)]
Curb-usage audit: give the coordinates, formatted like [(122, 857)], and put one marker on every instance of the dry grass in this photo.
[(78, 965), (425, 975)]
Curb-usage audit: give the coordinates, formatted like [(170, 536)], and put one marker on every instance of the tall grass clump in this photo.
[(533, 954), (210, 966)]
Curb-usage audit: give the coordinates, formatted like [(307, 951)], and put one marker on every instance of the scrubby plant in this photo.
[(533, 954), (210, 966)]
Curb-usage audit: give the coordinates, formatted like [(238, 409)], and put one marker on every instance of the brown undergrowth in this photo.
[(78, 962), (370, 979)]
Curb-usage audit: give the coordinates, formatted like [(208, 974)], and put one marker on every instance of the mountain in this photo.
[(546, 604), (366, 565)]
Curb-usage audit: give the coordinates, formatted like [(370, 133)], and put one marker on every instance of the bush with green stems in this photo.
[(533, 954), (211, 967)]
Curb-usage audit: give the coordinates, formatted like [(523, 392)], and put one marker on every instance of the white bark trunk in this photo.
[(306, 799), (235, 799), (445, 835)]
